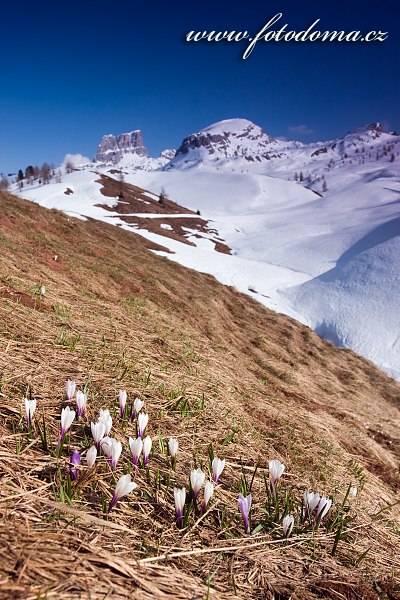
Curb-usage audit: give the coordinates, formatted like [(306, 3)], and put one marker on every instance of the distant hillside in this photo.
[(214, 367)]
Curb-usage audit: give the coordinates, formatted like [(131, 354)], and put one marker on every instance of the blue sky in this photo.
[(72, 72)]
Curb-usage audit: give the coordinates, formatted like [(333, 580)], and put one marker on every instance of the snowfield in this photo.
[(330, 258)]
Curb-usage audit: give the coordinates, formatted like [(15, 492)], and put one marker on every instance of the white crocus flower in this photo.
[(30, 407), (197, 478), (353, 491), (173, 446), (137, 407), (218, 466), (208, 493), (287, 525), (122, 402), (136, 447), (311, 501), (124, 486), (276, 469), (98, 432), (116, 450), (323, 507), (67, 417), (106, 419), (91, 456), (81, 401), (147, 444), (70, 389), (143, 419), (180, 498), (106, 445)]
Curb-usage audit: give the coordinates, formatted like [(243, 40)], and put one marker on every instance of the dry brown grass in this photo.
[(127, 318)]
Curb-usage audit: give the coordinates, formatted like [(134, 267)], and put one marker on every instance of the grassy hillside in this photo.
[(214, 368)]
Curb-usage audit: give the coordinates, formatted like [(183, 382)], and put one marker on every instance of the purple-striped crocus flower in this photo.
[(147, 444), (136, 447), (217, 466), (197, 478), (67, 417), (116, 450), (30, 407), (81, 401), (74, 462), (124, 486), (122, 402), (137, 407), (180, 498), (173, 446), (70, 387), (98, 432), (143, 419), (244, 505)]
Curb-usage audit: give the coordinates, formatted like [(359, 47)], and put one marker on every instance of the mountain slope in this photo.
[(213, 366)]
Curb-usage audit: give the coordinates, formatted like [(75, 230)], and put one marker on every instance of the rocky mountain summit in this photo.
[(228, 139), (112, 148)]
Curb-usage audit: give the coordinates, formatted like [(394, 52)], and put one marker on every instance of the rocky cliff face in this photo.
[(113, 148)]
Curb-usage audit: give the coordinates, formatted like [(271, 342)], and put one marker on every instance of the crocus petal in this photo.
[(276, 469), (91, 456), (217, 466), (197, 478), (124, 486), (180, 498), (147, 444), (81, 401), (136, 447), (143, 419), (70, 389), (287, 525)]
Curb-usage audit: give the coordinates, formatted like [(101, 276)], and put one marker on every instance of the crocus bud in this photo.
[(143, 419), (30, 407), (81, 401), (244, 507), (106, 445), (116, 449), (197, 478), (74, 462), (208, 492), (137, 407), (70, 389), (106, 419), (276, 469), (173, 445), (353, 491), (311, 501), (287, 525), (43, 292), (147, 444), (98, 432), (180, 498), (91, 456), (217, 468), (122, 402), (67, 417), (124, 486), (323, 507), (136, 449)]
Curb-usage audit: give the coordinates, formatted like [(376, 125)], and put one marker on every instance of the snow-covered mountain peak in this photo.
[(226, 140)]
